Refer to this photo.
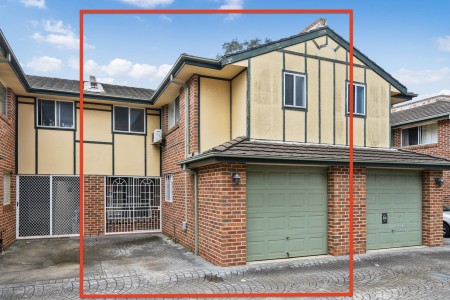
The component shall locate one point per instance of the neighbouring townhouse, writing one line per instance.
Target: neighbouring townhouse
(424, 126)
(240, 159)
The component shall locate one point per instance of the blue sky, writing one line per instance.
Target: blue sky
(410, 39)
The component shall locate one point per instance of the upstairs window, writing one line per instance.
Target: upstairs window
(294, 90)
(420, 135)
(3, 101)
(57, 114)
(174, 113)
(128, 119)
(359, 99)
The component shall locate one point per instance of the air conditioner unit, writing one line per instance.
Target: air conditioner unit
(157, 136)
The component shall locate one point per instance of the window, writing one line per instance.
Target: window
(6, 188)
(59, 114)
(3, 100)
(169, 188)
(128, 119)
(420, 135)
(294, 90)
(359, 99)
(174, 113)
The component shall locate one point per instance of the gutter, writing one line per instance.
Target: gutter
(430, 118)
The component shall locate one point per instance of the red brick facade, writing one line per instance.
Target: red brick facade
(441, 149)
(431, 209)
(222, 214)
(338, 210)
(8, 164)
(94, 205)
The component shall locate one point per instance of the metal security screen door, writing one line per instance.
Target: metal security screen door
(48, 206)
(133, 204)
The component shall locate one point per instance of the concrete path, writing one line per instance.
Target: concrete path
(414, 273)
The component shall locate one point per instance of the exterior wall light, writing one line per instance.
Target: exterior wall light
(236, 178)
(439, 181)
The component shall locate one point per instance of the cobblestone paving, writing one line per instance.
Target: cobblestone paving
(410, 274)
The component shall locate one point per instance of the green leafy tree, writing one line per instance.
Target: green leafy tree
(236, 46)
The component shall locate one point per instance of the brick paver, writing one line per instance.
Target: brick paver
(410, 274)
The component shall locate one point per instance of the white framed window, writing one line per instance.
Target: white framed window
(174, 113)
(129, 119)
(3, 100)
(55, 114)
(420, 135)
(359, 99)
(168, 180)
(6, 188)
(294, 90)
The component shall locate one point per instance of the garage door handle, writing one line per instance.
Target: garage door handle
(287, 238)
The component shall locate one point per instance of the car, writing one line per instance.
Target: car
(447, 221)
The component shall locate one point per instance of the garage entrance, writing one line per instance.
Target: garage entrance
(286, 212)
(394, 208)
(48, 206)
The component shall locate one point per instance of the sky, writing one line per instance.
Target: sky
(410, 39)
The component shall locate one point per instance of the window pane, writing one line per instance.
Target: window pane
(46, 113)
(137, 120)
(429, 134)
(413, 136)
(171, 115)
(360, 95)
(66, 114)
(121, 118)
(405, 137)
(3, 102)
(177, 110)
(6, 188)
(300, 91)
(288, 89)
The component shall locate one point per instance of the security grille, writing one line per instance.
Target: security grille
(132, 204)
(48, 206)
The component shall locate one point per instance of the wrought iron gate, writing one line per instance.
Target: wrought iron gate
(132, 204)
(48, 206)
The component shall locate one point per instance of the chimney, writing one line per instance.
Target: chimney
(93, 82)
(319, 23)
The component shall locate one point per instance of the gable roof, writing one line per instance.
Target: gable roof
(260, 151)
(305, 36)
(49, 84)
(428, 109)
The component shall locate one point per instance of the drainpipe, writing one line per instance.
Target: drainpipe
(195, 207)
(186, 138)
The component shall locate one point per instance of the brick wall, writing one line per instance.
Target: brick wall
(338, 210)
(431, 209)
(94, 205)
(182, 206)
(222, 214)
(8, 164)
(441, 149)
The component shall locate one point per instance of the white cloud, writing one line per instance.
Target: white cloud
(74, 62)
(232, 4)
(44, 64)
(166, 18)
(421, 77)
(107, 80)
(123, 67)
(444, 43)
(426, 96)
(59, 34)
(34, 3)
(148, 3)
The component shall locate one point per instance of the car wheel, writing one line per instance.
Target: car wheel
(446, 230)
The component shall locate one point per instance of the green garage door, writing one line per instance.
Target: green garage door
(394, 209)
(286, 212)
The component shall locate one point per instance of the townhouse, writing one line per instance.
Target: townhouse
(240, 159)
(424, 126)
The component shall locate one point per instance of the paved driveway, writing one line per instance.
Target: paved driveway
(415, 273)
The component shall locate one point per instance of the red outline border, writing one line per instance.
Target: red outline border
(216, 11)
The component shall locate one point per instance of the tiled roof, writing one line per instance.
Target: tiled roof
(73, 86)
(303, 152)
(439, 108)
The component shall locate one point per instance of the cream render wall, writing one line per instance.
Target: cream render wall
(214, 112)
(239, 106)
(325, 117)
(153, 151)
(55, 151)
(26, 145)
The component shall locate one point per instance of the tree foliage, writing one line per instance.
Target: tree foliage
(235, 45)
